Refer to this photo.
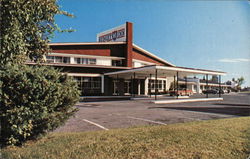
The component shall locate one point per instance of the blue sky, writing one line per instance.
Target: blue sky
(199, 34)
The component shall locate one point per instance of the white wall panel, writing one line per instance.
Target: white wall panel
(106, 62)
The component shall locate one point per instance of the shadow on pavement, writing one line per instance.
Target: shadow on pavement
(239, 111)
(233, 104)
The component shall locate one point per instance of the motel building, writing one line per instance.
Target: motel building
(115, 66)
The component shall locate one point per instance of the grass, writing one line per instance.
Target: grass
(224, 138)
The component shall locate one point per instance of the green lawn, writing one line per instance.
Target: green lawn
(218, 139)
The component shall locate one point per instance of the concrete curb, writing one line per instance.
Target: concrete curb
(186, 100)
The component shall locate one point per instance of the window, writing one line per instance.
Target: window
(50, 59)
(85, 61)
(57, 59)
(66, 59)
(92, 61)
(159, 84)
(88, 82)
(117, 63)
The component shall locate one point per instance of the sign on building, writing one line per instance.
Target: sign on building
(115, 34)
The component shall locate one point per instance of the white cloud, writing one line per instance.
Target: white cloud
(234, 60)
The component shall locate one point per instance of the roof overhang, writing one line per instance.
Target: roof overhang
(86, 56)
(79, 65)
(87, 43)
(163, 71)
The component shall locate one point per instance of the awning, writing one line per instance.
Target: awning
(162, 71)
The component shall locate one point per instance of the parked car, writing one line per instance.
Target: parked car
(220, 91)
(181, 92)
(210, 91)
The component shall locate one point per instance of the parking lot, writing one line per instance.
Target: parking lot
(131, 113)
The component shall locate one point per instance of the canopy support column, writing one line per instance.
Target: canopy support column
(150, 87)
(117, 84)
(102, 82)
(177, 76)
(186, 85)
(207, 85)
(134, 85)
(156, 89)
(219, 85)
(174, 86)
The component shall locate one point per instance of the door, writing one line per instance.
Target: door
(127, 87)
(115, 87)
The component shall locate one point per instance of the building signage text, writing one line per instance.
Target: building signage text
(116, 34)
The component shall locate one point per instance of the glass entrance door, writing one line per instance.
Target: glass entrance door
(127, 87)
(115, 86)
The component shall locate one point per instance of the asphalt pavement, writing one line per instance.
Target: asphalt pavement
(108, 115)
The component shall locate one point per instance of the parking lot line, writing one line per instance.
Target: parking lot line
(214, 114)
(102, 127)
(151, 121)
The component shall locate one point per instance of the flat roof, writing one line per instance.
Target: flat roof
(79, 65)
(86, 43)
(171, 69)
(165, 71)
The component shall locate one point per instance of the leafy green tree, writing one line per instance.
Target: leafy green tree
(33, 99)
(240, 81)
(26, 27)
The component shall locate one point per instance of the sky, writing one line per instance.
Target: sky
(201, 34)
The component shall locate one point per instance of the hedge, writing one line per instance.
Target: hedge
(34, 100)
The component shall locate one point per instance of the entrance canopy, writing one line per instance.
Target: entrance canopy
(162, 71)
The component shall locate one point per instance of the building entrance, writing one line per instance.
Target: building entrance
(115, 86)
(127, 87)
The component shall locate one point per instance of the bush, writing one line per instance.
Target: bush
(34, 100)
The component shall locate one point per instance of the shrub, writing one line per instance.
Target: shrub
(34, 100)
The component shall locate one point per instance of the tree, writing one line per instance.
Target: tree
(240, 81)
(33, 99)
(215, 79)
(26, 27)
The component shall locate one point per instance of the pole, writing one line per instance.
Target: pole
(186, 84)
(219, 85)
(131, 89)
(102, 82)
(177, 84)
(174, 86)
(207, 85)
(134, 84)
(117, 83)
(156, 90)
(150, 85)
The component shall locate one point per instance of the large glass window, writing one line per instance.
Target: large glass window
(50, 59)
(57, 59)
(85, 61)
(92, 61)
(89, 85)
(117, 63)
(159, 84)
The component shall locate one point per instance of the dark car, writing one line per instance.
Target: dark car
(210, 91)
(220, 91)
